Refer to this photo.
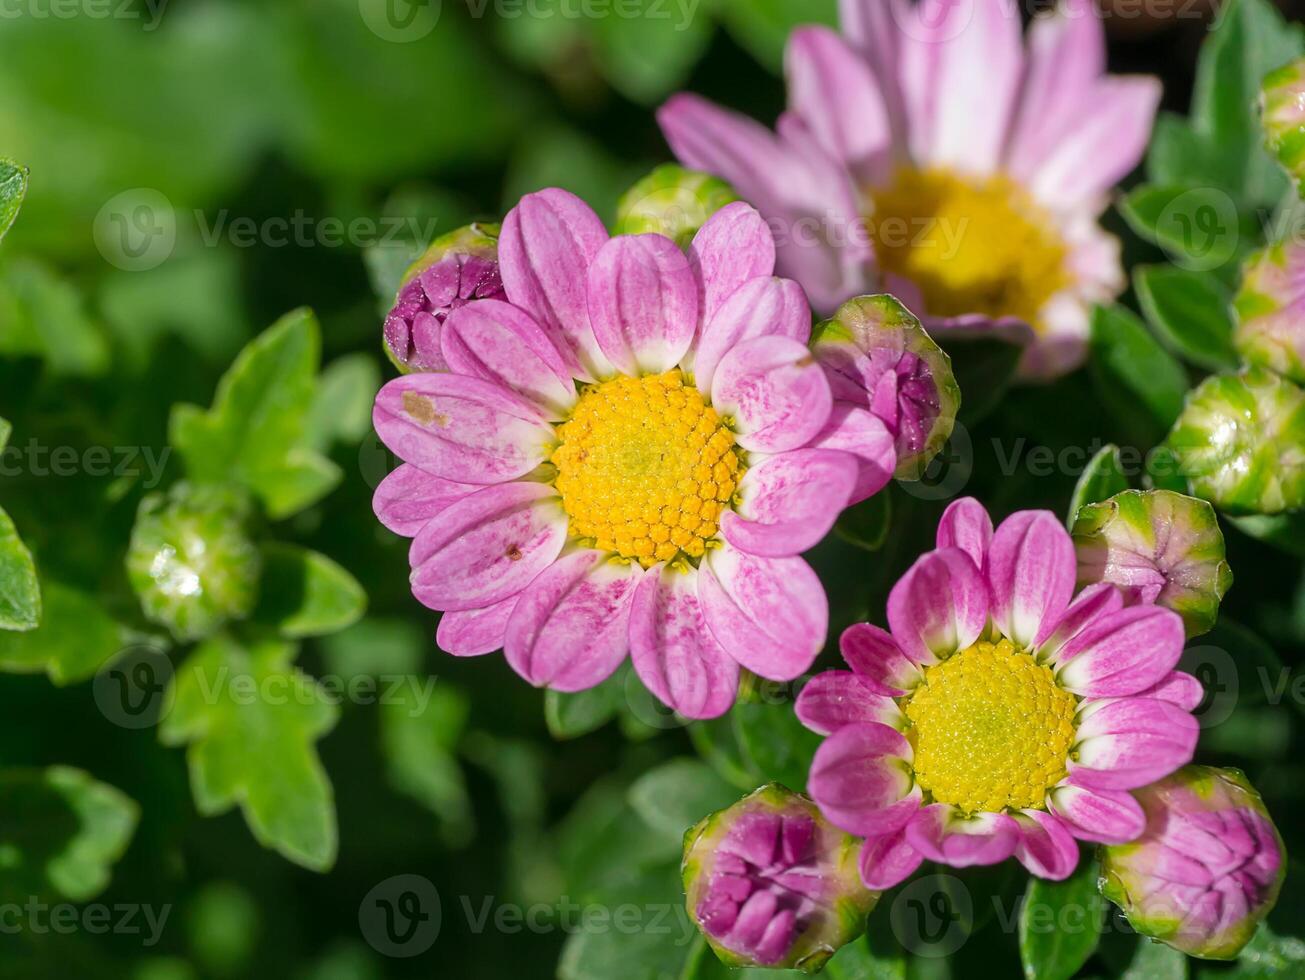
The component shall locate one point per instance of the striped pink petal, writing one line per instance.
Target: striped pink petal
(475, 632)
(733, 247)
(1131, 742)
(409, 497)
(875, 655)
(1045, 846)
(1103, 816)
(1089, 607)
(861, 780)
(939, 606)
(765, 306)
(942, 833)
(1178, 688)
(965, 524)
(864, 435)
(788, 503)
(775, 391)
(1122, 653)
(839, 697)
(888, 860)
(1031, 571)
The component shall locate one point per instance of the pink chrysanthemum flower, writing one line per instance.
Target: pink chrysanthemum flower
(930, 147)
(998, 717)
(627, 456)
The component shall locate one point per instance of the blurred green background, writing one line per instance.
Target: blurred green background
(194, 167)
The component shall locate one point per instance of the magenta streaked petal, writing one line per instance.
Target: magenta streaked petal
(733, 247)
(487, 547)
(463, 429)
(789, 502)
(875, 655)
(498, 342)
(1102, 816)
(888, 860)
(965, 524)
(764, 306)
(547, 244)
(409, 497)
(770, 614)
(775, 391)
(1178, 688)
(839, 697)
(939, 606)
(570, 630)
(1122, 653)
(1031, 571)
(1090, 606)
(673, 651)
(475, 632)
(861, 779)
(1045, 847)
(874, 28)
(834, 92)
(643, 303)
(864, 435)
(1132, 742)
(942, 833)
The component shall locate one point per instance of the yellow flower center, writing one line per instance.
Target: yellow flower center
(972, 245)
(645, 466)
(991, 729)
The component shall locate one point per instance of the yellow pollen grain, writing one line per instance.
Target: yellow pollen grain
(645, 466)
(972, 245)
(991, 729)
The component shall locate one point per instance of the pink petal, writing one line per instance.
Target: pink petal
(1102, 816)
(488, 546)
(775, 391)
(673, 651)
(733, 247)
(939, 606)
(461, 428)
(862, 434)
(838, 98)
(861, 780)
(873, 26)
(875, 655)
(475, 632)
(409, 497)
(497, 341)
(1090, 606)
(1178, 688)
(839, 697)
(1031, 571)
(547, 244)
(1131, 742)
(1066, 55)
(570, 630)
(761, 307)
(888, 860)
(965, 524)
(1045, 846)
(1112, 132)
(643, 303)
(789, 502)
(1122, 653)
(770, 614)
(943, 834)
(979, 67)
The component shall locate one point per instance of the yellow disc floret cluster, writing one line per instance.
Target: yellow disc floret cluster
(991, 729)
(972, 245)
(645, 466)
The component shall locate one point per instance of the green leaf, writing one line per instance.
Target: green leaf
(774, 742)
(1200, 228)
(75, 637)
(648, 51)
(304, 593)
(421, 726)
(20, 594)
(1285, 532)
(1155, 961)
(716, 740)
(1220, 144)
(677, 794)
(763, 26)
(60, 833)
(1132, 371)
(1102, 478)
(866, 524)
(222, 924)
(45, 316)
(251, 718)
(342, 410)
(573, 715)
(255, 433)
(1060, 924)
(13, 187)
(1190, 311)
